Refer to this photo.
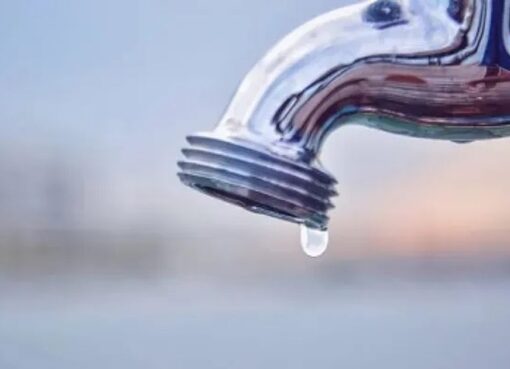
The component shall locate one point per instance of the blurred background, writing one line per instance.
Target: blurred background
(107, 261)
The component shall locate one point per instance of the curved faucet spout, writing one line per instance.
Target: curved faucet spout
(432, 69)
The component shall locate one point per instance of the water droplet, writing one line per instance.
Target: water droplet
(314, 241)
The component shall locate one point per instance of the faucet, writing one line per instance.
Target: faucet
(435, 69)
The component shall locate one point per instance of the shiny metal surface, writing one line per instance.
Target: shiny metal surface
(431, 69)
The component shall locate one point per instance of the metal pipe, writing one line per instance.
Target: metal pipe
(425, 68)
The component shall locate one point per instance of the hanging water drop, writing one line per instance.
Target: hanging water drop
(314, 241)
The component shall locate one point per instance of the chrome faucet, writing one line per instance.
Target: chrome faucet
(433, 69)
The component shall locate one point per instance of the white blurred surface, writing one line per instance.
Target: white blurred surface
(300, 324)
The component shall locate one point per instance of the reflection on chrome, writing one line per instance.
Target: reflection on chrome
(425, 68)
